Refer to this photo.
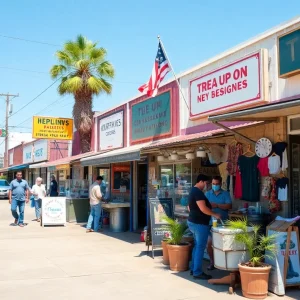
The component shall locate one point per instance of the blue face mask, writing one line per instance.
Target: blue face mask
(216, 188)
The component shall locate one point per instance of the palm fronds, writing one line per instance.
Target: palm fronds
(177, 230)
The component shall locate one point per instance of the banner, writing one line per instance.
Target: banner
(52, 128)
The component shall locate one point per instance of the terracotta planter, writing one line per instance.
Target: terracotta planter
(179, 257)
(165, 253)
(254, 281)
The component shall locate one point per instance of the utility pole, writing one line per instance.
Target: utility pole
(6, 124)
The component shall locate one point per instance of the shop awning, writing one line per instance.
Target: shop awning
(37, 165)
(131, 153)
(18, 167)
(273, 110)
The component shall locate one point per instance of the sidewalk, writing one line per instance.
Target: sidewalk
(64, 263)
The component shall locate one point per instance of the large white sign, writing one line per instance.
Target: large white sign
(276, 280)
(35, 152)
(111, 131)
(230, 86)
(54, 211)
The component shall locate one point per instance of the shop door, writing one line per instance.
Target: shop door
(142, 195)
(294, 143)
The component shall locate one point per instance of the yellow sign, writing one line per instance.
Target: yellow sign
(52, 128)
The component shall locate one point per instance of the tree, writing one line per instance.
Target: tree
(84, 72)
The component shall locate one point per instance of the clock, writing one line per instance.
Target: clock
(263, 147)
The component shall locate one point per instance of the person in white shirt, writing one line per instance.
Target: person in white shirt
(95, 202)
(39, 193)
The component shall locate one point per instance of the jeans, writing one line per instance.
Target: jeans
(94, 216)
(19, 217)
(200, 233)
(38, 205)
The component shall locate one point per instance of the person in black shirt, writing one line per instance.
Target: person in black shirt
(53, 187)
(199, 217)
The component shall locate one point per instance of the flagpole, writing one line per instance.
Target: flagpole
(176, 79)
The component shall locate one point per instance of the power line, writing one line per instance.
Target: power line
(22, 70)
(30, 41)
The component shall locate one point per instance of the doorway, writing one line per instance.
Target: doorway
(294, 143)
(142, 179)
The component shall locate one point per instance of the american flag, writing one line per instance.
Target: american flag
(160, 69)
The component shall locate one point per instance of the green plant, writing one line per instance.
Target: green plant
(3, 177)
(177, 230)
(258, 245)
(83, 72)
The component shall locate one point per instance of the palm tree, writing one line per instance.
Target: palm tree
(84, 72)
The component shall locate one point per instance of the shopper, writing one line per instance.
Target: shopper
(221, 203)
(53, 187)
(18, 195)
(95, 202)
(39, 193)
(199, 217)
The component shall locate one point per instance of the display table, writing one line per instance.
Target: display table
(118, 215)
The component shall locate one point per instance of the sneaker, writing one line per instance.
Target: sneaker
(211, 267)
(203, 276)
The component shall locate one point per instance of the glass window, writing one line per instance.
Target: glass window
(166, 175)
(183, 174)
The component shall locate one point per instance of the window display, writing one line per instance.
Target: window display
(76, 188)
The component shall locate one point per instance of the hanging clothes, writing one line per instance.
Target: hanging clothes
(274, 164)
(250, 177)
(274, 204)
(266, 187)
(225, 154)
(282, 188)
(216, 154)
(238, 189)
(234, 152)
(224, 174)
(263, 166)
(279, 148)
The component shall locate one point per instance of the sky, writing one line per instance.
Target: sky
(192, 31)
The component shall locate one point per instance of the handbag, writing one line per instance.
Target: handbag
(32, 204)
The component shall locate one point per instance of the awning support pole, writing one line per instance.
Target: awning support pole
(235, 132)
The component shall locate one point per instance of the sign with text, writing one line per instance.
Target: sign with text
(160, 208)
(289, 54)
(52, 128)
(111, 131)
(35, 152)
(232, 85)
(54, 211)
(151, 118)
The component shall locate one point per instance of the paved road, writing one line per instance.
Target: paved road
(62, 263)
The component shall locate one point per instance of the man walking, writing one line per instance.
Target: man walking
(18, 195)
(95, 202)
(53, 187)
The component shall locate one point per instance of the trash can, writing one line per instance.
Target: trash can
(119, 219)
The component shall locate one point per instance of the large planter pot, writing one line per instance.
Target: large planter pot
(179, 257)
(165, 253)
(254, 281)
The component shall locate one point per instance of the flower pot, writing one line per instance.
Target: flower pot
(254, 281)
(179, 257)
(165, 253)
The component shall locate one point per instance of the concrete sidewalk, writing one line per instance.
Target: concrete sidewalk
(62, 263)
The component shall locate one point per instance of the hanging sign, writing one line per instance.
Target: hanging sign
(111, 131)
(54, 211)
(233, 85)
(52, 128)
(2, 133)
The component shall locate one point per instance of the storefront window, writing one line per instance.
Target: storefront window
(167, 176)
(105, 187)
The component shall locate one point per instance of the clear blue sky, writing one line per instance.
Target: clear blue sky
(192, 31)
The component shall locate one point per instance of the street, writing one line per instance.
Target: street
(67, 263)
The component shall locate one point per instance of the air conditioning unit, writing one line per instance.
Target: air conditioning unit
(293, 124)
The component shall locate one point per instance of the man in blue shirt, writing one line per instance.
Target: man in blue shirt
(18, 195)
(221, 203)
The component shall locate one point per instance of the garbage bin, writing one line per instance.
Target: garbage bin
(118, 219)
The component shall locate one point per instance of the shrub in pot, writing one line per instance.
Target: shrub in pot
(178, 250)
(254, 273)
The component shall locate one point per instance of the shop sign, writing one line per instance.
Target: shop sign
(276, 281)
(230, 86)
(111, 131)
(35, 152)
(151, 118)
(52, 128)
(289, 54)
(11, 158)
(54, 211)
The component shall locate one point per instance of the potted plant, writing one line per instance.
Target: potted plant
(178, 250)
(254, 273)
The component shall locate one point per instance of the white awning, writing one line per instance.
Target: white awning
(37, 166)
(126, 154)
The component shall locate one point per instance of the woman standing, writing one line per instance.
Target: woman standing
(198, 222)
(39, 193)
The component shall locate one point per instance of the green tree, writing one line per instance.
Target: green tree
(84, 72)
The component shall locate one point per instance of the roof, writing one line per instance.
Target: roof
(196, 136)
